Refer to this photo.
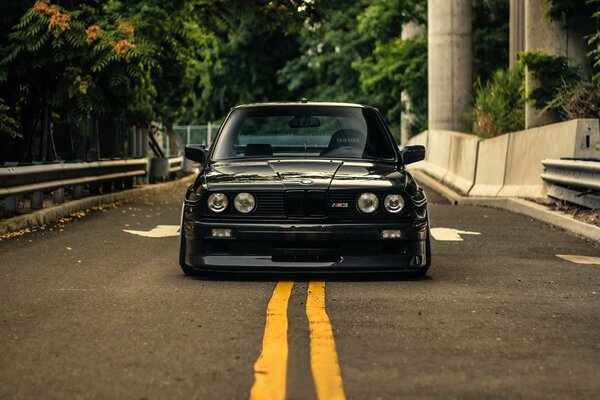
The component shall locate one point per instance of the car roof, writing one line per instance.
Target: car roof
(301, 103)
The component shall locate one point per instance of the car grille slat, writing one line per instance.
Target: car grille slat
(306, 204)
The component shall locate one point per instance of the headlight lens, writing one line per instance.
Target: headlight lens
(393, 203)
(244, 202)
(368, 203)
(217, 202)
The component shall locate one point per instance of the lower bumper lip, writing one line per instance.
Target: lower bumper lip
(297, 247)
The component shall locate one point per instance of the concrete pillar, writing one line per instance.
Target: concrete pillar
(541, 34)
(208, 134)
(516, 31)
(410, 30)
(449, 63)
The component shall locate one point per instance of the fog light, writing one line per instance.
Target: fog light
(390, 234)
(221, 233)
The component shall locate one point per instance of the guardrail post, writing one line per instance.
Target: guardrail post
(132, 136)
(107, 187)
(208, 134)
(77, 191)
(37, 200)
(128, 183)
(59, 195)
(94, 188)
(11, 203)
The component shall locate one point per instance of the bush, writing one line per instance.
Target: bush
(579, 101)
(553, 73)
(500, 104)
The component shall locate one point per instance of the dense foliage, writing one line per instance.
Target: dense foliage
(500, 104)
(581, 100)
(490, 37)
(594, 39)
(74, 74)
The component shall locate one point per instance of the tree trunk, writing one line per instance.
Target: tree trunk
(172, 139)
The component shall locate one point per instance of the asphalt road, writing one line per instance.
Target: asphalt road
(90, 311)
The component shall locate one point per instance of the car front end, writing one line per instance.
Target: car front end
(259, 206)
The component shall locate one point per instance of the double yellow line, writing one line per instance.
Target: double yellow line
(270, 369)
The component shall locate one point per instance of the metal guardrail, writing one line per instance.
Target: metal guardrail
(28, 179)
(175, 164)
(573, 180)
(34, 180)
(101, 176)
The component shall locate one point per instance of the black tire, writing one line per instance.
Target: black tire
(184, 267)
(423, 271)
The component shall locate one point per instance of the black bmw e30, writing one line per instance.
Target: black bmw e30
(304, 187)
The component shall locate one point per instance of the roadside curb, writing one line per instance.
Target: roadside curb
(519, 206)
(52, 214)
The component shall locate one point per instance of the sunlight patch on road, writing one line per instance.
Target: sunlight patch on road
(450, 235)
(580, 259)
(323, 356)
(158, 232)
(270, 369)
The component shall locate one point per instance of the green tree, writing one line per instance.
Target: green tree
(324, 68)
(395, 64)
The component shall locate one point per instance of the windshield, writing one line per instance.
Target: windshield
(304, 131)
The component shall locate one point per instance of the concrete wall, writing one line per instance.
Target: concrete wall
(527, 149)
(438, 153)
(491, 165)
(508, 165)
(462, 162)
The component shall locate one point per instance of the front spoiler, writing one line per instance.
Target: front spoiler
(259, 256)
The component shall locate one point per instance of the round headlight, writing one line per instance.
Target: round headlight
(393, 203)
(244, 202)
(217, 202)
(368, 203)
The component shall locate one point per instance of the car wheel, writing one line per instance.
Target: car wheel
(425, 269)
(184, 267)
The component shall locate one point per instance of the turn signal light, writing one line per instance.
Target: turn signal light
(221, 233)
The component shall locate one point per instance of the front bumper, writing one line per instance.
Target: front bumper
(305, 247)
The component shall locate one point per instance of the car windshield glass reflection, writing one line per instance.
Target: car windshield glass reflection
(287, 131)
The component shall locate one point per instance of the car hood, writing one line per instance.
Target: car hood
(302, 174)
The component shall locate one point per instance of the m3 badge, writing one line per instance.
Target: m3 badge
(339, 205)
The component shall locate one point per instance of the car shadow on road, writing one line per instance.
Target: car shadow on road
(310, 276)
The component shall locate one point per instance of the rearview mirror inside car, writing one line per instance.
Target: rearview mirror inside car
(412, 154)
(304, 122)
(196, 152)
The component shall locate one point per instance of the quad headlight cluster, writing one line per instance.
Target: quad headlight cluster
(243, 202)
(368, 203)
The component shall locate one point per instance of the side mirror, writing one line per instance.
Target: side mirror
(412, 154)
(196, 152)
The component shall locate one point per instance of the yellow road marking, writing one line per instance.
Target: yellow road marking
(270, 369)
(323, 357)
